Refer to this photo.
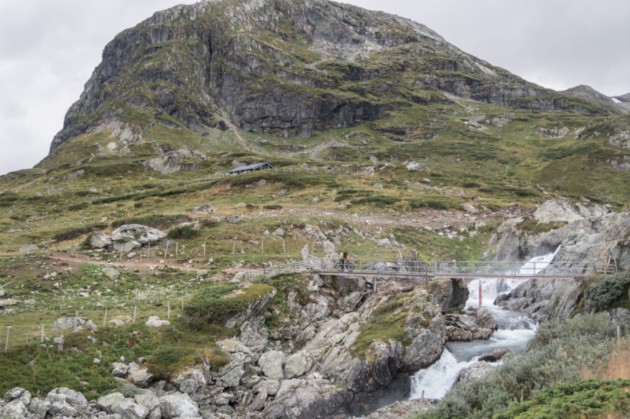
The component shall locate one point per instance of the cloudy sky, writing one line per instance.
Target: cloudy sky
(48, 50)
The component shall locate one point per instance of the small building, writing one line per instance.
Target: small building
(251, 168)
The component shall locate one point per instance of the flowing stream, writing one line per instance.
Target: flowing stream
(515, 330)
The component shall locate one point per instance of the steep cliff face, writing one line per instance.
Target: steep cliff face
(280, 66)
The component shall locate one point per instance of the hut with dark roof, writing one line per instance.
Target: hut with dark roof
(251, 168)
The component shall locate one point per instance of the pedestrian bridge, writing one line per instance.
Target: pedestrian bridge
(455, 269)
(426, 271)
(535, 268)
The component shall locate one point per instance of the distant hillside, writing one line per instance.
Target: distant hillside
(591, 95)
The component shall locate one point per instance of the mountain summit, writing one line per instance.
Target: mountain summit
(284, 67)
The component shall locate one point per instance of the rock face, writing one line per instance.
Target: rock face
(591, 235)
(191, 65)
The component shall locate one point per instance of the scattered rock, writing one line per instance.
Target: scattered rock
(111, 273)
(206, 208)
(100, 240)
(76, 324)
(154, 321)
(178, 405)
(28, 249)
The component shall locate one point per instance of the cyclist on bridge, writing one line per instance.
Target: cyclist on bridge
(344, 258)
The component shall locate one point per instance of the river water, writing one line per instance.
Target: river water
(515, 330)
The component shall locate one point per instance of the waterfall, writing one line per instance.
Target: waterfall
(515, 330)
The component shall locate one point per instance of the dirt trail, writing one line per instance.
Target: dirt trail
(141, 264)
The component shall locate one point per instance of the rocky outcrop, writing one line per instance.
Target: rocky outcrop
(592, 235)
(75, 324)
(544, 299)
(583, 233)
(126, 238)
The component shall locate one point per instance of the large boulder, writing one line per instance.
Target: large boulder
(109, 402)
(464, 327)
(131, 236)
(450, 293)
(139, 375)
(129, 409)
(15, 409)
(272, 364)
(312, 397)
(178, 406)
(100, 240)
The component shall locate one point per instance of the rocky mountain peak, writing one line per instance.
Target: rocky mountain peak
(282, 67)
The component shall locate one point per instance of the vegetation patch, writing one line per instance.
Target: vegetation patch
(440, 203)
(159, 221)
(219, 302)
(560, 352)
(532, 226)
(386, 322)
(286, 284)
(580, 399)
(185, 232)
(608, 291)
(73, 233)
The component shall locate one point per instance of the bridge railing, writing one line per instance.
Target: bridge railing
(464, 268)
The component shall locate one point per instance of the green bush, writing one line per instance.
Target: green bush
(183, 233)
(608, 291)
(442, 203)
(581, 399)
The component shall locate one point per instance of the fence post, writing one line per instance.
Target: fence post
(105, 317)
(204, 251)
(166, 251)
(6, 342)
(41, 336)
(176, 250)
(134, 313)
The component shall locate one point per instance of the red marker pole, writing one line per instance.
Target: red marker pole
(480, 294)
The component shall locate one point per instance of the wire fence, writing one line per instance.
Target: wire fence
(25, 325)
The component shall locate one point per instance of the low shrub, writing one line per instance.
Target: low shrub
(608, 291)
(185, 232)
(441, 203)
(581, 399)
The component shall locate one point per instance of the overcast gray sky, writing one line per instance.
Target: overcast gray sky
(48, 50)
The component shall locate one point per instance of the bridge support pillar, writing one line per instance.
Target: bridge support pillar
(480, 294)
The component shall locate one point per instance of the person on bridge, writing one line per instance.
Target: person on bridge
(343, 259)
